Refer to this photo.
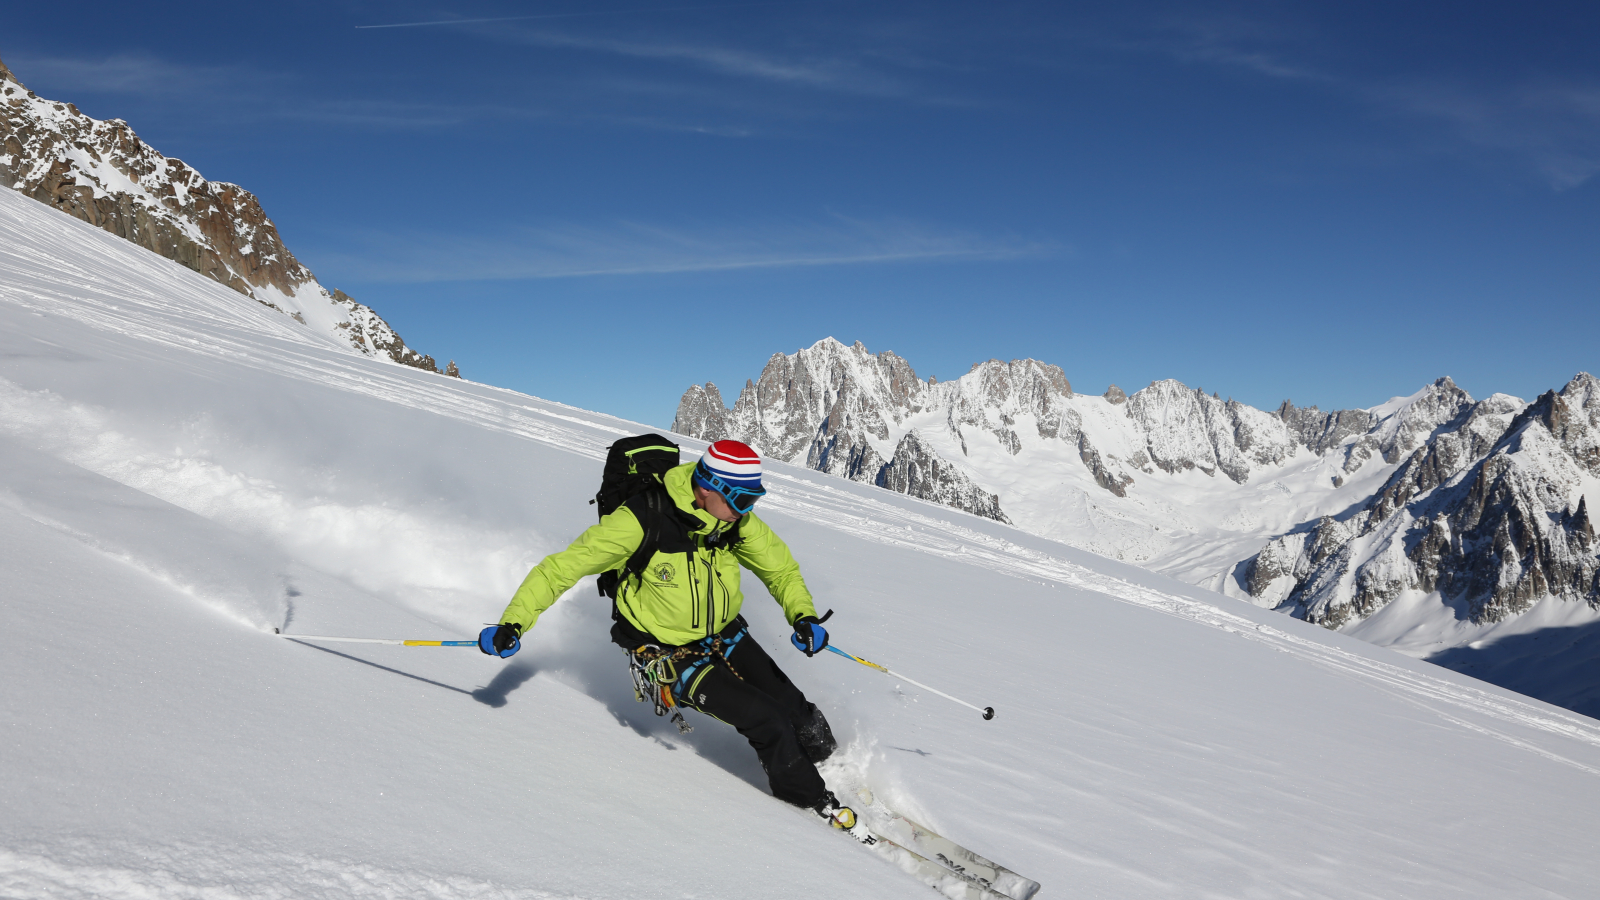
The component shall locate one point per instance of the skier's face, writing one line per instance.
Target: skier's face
(714, 503)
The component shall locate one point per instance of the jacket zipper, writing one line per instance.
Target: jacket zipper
(726, 597)
(711, 595)
(694, 594)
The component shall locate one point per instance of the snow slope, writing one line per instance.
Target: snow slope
(183, 469)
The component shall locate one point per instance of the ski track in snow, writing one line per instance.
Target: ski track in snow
(82, 870)
(241, 610)
(97, 302)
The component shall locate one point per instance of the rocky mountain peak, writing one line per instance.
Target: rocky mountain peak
(841, 409)
(1186, 428)
(102, 173)
(1480, 511)
(1583, 392)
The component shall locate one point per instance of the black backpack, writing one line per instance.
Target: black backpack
(632, 478)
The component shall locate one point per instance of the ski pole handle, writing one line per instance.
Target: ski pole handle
(988, 711)
(355, 640)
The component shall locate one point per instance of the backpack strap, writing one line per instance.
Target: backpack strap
(666, 530)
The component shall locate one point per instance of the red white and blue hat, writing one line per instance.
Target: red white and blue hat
(733, 470)
(733, 463)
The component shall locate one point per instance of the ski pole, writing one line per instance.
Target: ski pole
(350, 640)
(988, 711)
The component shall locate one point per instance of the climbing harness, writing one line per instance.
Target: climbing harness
(666, 676)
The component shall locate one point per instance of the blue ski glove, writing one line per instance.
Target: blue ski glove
(809, 636)
(500, 640)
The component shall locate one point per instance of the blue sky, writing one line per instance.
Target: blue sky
(604, 203)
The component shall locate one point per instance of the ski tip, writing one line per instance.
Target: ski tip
(988, 713)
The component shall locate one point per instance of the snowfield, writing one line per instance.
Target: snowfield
(183, 470)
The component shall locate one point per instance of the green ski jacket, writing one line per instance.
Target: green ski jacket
(680, 597)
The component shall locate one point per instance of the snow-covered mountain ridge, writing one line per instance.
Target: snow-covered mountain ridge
(1473, 511)
(102, 173)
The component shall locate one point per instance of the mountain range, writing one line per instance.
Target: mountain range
(1434, 523)
(101, 172)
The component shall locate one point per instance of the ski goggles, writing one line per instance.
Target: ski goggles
(740, 499)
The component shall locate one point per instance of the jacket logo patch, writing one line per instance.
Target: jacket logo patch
(663, 571)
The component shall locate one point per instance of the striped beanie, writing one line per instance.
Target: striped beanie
(734, 463)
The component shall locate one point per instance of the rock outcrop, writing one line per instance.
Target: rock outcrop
(916, 470)
(1488, 509)
(842, 410)
(1186, 429)
(101, 172)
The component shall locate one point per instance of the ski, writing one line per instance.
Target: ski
(948, 882)
(950, 862)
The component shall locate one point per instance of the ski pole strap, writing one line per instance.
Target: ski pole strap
(988, 711)
(858, 659)
(356, 640)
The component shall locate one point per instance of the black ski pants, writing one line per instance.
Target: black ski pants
(789, 734)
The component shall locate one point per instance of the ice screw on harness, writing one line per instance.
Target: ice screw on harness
(656, 672)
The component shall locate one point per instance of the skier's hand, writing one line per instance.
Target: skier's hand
(809, 636)
(500, 640)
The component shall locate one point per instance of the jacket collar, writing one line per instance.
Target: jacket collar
(681, 490)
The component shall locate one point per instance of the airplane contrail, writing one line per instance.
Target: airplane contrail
(608, 12)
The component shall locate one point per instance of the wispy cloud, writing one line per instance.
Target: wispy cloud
(1235, 42)
(633, 248)
(141, 75)
(1551, 129)
(823, 72)
(638, 10)
(1555, 128)
(240, 93)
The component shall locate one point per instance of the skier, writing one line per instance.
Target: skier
(683, 608)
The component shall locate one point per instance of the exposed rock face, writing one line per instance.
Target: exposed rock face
(918, 471)
(102, 173)
(1321, 431)
(1188, 430)
(823, 392)
(1488, 509)
(841, 410)
(701, 412)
